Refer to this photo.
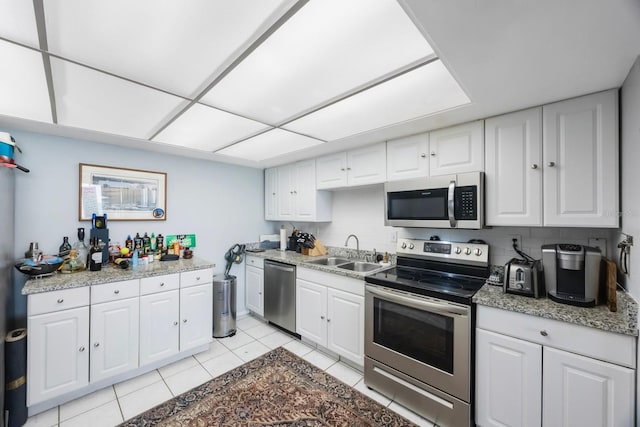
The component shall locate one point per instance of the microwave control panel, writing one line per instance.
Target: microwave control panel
(465, 203)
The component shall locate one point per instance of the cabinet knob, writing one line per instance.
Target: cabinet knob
(433, 154)
(544, 333)
(60, 300)
(348, 169)
(342, 169)
(423, 155)
(161, 284)
(175, 323)
(117, 291)
(328, 320)
(534, 166)
(551, 164)
(322, 317)
(81, 349)
(259, 293)
(198, 278)
(184, 320)
(96, 344)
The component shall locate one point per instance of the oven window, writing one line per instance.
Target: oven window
(419, 204)
(421, 335)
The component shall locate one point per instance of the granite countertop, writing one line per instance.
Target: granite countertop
(294, 258)
(623, 321)
(110, 274)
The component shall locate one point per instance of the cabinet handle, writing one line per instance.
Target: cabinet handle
(184, 320)
(423, 155)
(60, 300)
(96, 344)
(175, 323)
(551, 164)
(543, 333)
(534, 166)
(117, 291)
(433, 154)
(81, 349)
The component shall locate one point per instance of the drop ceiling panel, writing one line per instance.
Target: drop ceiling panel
(326, 49)
(423, 91)
(23, 87)
(89, 99)
(173, 45)
(270, 144)
(18, 22)
(205, 128)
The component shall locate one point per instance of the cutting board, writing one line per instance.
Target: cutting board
(610, 281)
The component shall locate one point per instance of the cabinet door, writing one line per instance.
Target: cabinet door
(331, 171)
(285, 195)
(579, 391)
(581, 161)
(254, 280)
(457, 149)
(367, 165)
(407, 157)
(513, 168)
(305, 190)
(270, 194)
(114, 338)
(508, 381)
(159, 327)
(345, 319)
(196, 316)
(311, 311)
(58, 354)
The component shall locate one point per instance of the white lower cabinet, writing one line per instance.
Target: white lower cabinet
(254, 284)
(330, 312)
(532, 371)
(196, 319)
(159, 326)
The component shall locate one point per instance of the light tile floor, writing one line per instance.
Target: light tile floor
(111, 405)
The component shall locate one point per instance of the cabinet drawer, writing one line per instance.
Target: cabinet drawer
(595, 343)
(196, 277)
(255, 261)
(151, 285)
(47, 302)
(115, 291)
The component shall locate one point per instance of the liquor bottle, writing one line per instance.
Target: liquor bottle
(129, 243)
(160, 242)
(137, 242)
(95, 256)
(65, 247)
(146, 243)
(81, 248)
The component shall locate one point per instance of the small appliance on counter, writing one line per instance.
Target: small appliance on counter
(572, 273)
(523, 276)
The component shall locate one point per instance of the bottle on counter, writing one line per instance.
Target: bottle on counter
(82, 250)
(154, 245)
(160, 242)
(73, 263)
(65, 247)
(129, 243)
(134, 258)
(95, 256)
(137, 242)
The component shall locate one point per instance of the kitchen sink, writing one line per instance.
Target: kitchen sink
(360, 266)
(332, 261)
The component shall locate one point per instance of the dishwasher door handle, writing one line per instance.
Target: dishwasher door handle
(280, 267)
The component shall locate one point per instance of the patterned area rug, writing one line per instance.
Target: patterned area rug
(276, 389)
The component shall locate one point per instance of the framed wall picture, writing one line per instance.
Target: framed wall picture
(123, 194)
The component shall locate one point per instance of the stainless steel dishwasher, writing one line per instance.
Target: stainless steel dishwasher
(280, 294)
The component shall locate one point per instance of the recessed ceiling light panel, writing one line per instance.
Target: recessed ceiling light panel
(328, 48)
(205, 128)
(421, 92)
(18, 22)
(23, 87)
(270, 144)
(89, 99)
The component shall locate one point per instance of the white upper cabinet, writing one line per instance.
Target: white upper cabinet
(457, 149)
(270, 189)
(363, 166)
(407, 157)
(580, 147)
(513, 168)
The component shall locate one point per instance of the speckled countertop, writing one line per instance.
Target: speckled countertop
(623, 321)
(111, 274)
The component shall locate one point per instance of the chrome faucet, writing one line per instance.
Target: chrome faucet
(346, 242)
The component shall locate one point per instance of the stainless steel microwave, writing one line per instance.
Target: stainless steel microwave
(448, 201)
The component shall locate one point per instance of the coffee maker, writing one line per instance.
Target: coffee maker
(572, 273)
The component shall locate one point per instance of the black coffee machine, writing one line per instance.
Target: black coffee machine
(572, 273)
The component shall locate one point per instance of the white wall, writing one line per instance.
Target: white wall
(360, 211)
(222, 204)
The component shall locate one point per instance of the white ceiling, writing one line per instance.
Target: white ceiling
(506, 55)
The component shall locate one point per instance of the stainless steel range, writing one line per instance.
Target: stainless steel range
(418, 328)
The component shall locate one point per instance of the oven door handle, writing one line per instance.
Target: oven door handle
(451, 204)
(420, 304)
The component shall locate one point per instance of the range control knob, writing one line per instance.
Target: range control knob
(467, 251)
(403, 245)
(478, 251)
(457, 250)
(411, 246)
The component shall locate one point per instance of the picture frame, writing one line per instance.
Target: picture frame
(122, 194)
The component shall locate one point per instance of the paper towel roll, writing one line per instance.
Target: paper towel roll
(16, 377)
(283, 239)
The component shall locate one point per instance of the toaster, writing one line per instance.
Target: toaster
(524, 277)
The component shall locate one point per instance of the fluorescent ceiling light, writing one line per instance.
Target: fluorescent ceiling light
(18, 23)
(23, 87)
(173, 45)
(423, 91)
(328, 48)
(205, 128)
(89, 99)
(270, 144)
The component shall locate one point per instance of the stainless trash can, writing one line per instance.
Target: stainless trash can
(224, 305)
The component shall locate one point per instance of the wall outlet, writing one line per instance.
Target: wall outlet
(394, 237)
(600, 243)
(518, 239)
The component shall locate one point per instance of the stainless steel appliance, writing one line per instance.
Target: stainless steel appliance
(524, 277)
(572, 273)
(280, 294)
(448, 201)
(419, 328)
(224, 305)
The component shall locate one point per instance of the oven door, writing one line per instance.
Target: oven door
(425, 338)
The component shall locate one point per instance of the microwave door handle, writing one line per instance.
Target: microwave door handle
(451, 204)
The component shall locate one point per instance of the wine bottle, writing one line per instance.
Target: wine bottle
(95, 256)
